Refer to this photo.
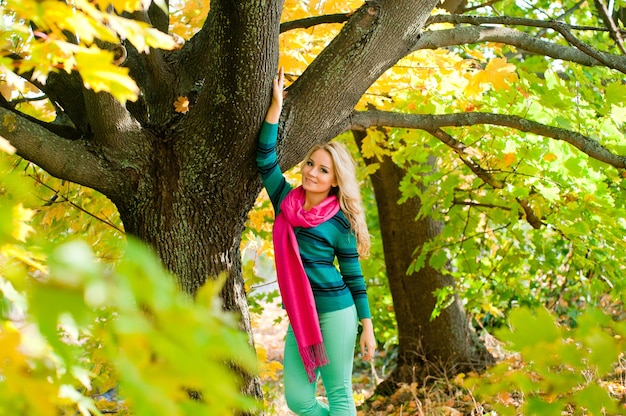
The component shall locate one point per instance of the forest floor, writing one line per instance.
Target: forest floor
(437, 397)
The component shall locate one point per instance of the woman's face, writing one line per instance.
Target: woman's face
(318, 173)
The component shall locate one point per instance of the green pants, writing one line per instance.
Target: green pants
(339, 331)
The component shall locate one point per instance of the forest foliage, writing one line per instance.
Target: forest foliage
(534, 237)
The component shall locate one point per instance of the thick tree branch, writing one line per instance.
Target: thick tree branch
(583, 143)
(531, 217)
(582, 53)
(154, 76)
(113, 128)
(66, 159)
(521, 40)
(235, 55)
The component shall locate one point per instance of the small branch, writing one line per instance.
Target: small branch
(464, 154)
(314, 21)
(562, 16)
(505, 21)
(614, 30)
(55, 200)
(480, 6)
(531, 217)
(582, 54)
(28, 99)
(462, 150)
(457, 201)
(473, 35)
(589, 50)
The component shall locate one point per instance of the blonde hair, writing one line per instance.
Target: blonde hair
(347, 191)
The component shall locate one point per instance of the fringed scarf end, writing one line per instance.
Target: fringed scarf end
(313, 356)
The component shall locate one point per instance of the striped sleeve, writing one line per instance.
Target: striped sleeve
(267, 162)
(351, 272)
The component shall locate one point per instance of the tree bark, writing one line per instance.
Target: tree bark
(437, 348)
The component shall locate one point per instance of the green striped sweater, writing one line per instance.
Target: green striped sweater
(333, 288)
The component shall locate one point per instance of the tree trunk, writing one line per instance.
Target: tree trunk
(194, 227)
(446, 345)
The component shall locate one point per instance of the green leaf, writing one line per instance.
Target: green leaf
(438, 259)
(539, 407)
(596, 400)
(530, 328)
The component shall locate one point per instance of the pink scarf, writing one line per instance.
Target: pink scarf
(293, 282)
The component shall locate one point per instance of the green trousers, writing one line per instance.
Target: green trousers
(339, 330)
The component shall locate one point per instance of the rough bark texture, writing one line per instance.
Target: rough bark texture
(427, 348)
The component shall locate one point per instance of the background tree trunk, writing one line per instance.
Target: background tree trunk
(446, 345)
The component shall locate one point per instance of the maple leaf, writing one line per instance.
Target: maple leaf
(499, 71)
(181, 104)
(509, 158)
(550, 157)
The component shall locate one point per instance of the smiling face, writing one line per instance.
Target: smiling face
(318, 173)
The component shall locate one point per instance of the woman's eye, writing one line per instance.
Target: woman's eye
(309, 163)
(323, 170)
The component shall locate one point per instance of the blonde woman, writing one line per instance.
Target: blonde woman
(316, 223)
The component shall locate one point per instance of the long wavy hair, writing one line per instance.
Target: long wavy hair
(347, 191)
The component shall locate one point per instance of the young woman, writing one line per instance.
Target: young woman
(316, 223)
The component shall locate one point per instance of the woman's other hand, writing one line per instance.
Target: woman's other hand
(368, 340)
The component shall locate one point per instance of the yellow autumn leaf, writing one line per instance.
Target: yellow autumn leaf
(268, 368)
(500, 73)
(328, 7)
(124, 5)
(550, 157)
(189, 17)
(21, 217)
(60, 16)
(508, 159)
(475, 53)
(140, 34)
(490, 308)
(256, 218)
(476, 84)
(181, 105)
(99, 74)
(22, 255)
